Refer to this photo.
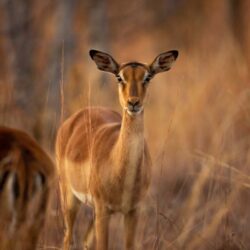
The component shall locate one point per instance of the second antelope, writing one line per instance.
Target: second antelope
(26, 179)
(103, 158)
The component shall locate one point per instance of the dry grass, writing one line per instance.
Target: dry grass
(197, 122)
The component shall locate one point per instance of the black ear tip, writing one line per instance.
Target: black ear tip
(175, 53)
(92, 52)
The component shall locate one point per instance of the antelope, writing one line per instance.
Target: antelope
(26, 176)
(102, 157)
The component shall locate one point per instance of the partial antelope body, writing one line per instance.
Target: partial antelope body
(26, 175)
(103, 158)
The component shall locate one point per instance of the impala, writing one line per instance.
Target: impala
(26, 175)
(103, 158)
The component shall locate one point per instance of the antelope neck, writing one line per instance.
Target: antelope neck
(130, 144)
(131, 125)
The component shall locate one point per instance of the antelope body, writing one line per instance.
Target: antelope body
(26, 175)
(103, 158)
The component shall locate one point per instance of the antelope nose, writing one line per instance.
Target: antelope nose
(133, 101)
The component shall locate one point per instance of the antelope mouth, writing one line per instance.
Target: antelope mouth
(135, 111)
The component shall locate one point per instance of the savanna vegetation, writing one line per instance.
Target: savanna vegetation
(197, 115)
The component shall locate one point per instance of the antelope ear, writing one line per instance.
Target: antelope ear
(104, 61)
(163, 62)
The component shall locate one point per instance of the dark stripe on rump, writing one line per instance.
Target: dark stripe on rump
(3, 179)
(16, 187)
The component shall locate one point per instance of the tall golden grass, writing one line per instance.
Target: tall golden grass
(197, 123)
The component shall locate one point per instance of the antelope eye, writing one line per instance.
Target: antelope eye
(147, 79)
(119, 79)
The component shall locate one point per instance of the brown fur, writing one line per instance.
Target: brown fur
(26, 174)
(105, 156)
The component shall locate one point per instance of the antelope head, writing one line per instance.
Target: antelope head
(133, 77)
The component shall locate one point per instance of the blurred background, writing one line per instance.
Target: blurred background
(197, 118)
